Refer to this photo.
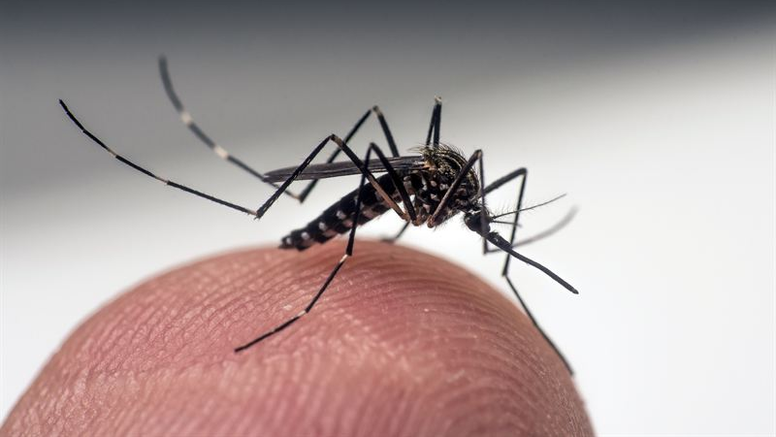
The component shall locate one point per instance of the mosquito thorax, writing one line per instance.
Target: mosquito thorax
(447, 162)
(443, 165)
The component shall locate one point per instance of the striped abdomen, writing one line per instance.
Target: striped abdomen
(338, 218)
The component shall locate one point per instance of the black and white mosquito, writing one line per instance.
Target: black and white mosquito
(433, 186)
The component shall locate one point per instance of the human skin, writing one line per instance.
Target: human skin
(401, 344)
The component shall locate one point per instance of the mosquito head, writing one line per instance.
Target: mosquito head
(476, 221)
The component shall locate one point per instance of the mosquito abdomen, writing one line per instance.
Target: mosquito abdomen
(338, 218)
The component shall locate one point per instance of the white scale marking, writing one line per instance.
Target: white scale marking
(221, 152)
(369, 213)
(186, 118)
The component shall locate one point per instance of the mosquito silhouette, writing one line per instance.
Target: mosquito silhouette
(429, 187)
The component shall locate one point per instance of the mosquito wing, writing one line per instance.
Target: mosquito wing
(344, 168)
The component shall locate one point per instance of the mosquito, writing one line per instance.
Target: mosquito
(427, 188)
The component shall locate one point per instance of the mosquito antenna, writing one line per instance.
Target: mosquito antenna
(504, 245)
(527, 208)
(501, 222)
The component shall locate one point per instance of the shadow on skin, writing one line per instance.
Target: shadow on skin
(402, 343)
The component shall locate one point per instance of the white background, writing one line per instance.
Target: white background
(665, 144)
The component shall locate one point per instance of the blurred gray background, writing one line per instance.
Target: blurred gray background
(657, 118)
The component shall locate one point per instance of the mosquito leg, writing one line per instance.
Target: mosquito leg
(386, 131)
(311, 185)
(260, 212)
(436, 120)
(484, 208)
(265, 206)
(503, 180)
(411, 215)
(365, 175)
(398, 235)
(505, 271)
(454, 187)
(398, 183)
(504, 245)
(224, 154)
(494, 186)
(537, 326)
(335, 270)
(148, 172)
(524, 173)
(364, 171)
(188, 120)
